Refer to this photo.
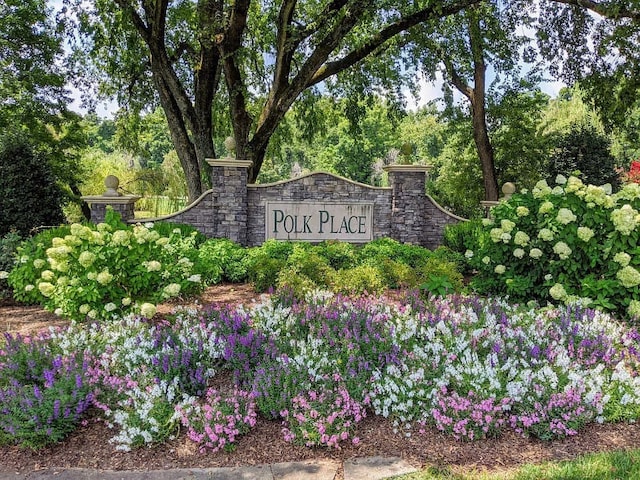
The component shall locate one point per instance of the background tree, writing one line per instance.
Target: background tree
(588, 151)
(33, 97)
(464, 47)
(181, 53)
(30, 196)
(595, 44)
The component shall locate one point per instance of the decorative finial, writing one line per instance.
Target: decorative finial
(112, 183)
(508, 189)
(230, 145)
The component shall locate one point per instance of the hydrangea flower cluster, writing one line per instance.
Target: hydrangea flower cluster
(576, 242)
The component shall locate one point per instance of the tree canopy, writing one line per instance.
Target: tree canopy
(247, 60)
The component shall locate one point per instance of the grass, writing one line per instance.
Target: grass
(616, 465)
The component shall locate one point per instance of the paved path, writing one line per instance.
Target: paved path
(370, 468)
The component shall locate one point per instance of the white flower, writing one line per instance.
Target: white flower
(28, 288)
(625, 219)
(541, 189)
(152, 266)
(565, 216)
(562, 250)
(126, 301)
(535, 253)
(486, 260)
(629, 277)
(522, 211)
(39, 263)
(548, 277)
(58, 312)
(496, 234)
(92, 314)
(505, 237)
(561, 179)
(545, 234)
(197, 278)
(507, 225)
(110, 307)
(171, 290)
(104, 277)
(84, 309)
(634, 309)
(149, 225)
(518, 253)
(3, 274)
(521, 238)
(622, 258)
(86, 259)
(487, 222)
(558, 292)
(121, 237)
(46, 289)
(500, 269)
(585, 234)
(545, 207)
(468, 254)
(148, 310)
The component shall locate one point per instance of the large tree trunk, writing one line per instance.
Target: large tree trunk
(182, 143)
(484, 148)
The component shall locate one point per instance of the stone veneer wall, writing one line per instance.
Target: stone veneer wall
(235, 210)
(319, 187)
(199, 214)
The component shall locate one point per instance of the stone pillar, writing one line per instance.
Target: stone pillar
(409, 202)
(123, 204)
(231, 209)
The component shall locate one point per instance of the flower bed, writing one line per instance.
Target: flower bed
(463, 365)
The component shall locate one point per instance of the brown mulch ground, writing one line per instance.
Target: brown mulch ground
(88, 447)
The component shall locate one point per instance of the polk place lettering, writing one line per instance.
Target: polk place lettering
(319, 221)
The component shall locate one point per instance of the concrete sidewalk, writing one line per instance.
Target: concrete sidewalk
(370, 468)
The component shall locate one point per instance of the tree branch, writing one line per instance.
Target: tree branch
(605, 9)
(283, 45)
(432, 12)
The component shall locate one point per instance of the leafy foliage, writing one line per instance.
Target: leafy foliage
(587, 151)
(30, 195)
(106, 270)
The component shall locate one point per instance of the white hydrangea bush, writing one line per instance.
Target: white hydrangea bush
(106, 271)
(563, 243)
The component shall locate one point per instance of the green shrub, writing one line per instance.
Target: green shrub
(448, 255)
(440, 277)
(31, 262)
(165, 229)
(461, 236)
(561, 243)
(310, 264)
(262, 271)
(358, 280)
(263, 263)
(292, 281)
(397, 274)
(30, 196)
(222, 259)
(106, 270)
(8, 246)
(386, 248)
(338, 254)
